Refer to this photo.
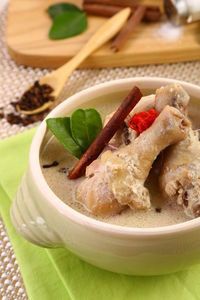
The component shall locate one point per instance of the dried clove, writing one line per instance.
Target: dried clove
(35, 97)
(158, 209)
(63, 170)
(53, 164)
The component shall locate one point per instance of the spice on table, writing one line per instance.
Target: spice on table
(33, 118)
(14, 103)
(142, 120)
(106, 133)
(14, 118)
(128, 28)
(158, 209)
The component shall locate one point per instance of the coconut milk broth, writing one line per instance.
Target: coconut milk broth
(57, 180)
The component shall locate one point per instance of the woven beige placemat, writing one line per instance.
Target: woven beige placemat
(13, 81)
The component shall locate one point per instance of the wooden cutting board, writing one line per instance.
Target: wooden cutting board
(27, 39)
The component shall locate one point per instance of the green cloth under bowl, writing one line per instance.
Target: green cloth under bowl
(57, 273)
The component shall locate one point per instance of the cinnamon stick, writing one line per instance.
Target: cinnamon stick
(101, 9)
(152, 13)
(122, 3)
(128, 28)
(106, 133)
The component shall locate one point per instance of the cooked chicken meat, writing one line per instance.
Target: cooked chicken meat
(180, 176)
(125, 135)
(94, 192)
(117, 178)
(172, 95)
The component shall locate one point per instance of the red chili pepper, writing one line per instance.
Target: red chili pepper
(143, 120)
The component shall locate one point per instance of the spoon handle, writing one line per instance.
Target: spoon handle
(108, 30)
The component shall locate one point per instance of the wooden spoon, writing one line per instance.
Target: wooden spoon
(57, 78)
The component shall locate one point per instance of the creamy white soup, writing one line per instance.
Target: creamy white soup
(163, 211)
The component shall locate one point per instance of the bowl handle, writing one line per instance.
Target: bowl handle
(30, 215)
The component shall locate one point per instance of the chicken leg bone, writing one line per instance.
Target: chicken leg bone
(180, 175)
(116, 179)
(172, 95)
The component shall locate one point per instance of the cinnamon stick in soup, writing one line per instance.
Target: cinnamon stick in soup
(128, 28)
(106, 133)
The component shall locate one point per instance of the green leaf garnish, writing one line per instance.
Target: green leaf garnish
(59, 8)
(68, 24)
(85, 126)
(68, 21)
(78, 132)
(60, 127)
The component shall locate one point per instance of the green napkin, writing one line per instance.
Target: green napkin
(57, 273)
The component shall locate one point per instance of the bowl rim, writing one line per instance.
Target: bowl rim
(69, 212)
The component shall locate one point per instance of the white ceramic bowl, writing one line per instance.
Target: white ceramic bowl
(42, 218)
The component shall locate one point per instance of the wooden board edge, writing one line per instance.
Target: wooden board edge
(96, 61)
